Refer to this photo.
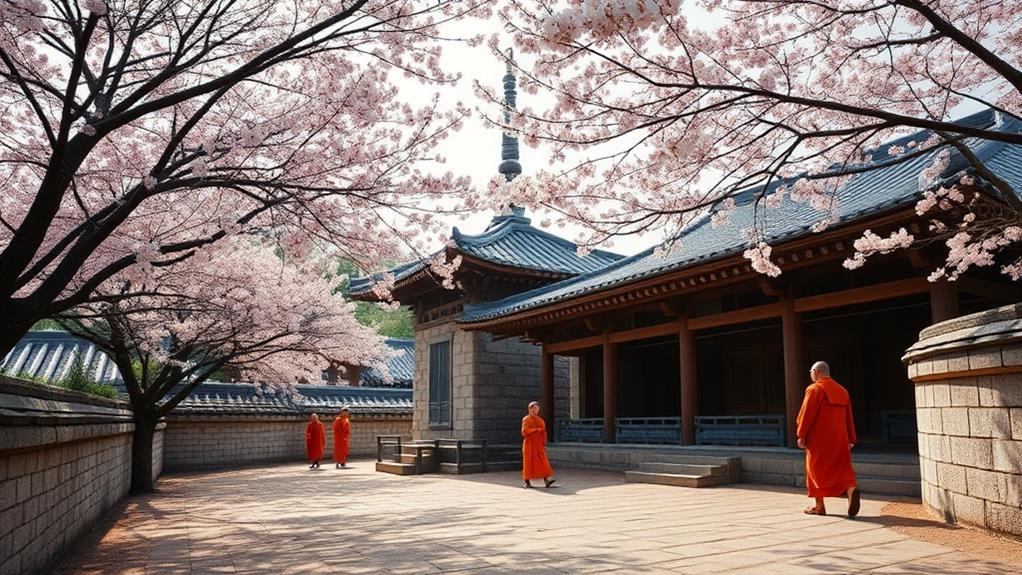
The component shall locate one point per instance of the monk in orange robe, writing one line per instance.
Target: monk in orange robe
(534, 461)
(826, 431)
(342, 434)
(315, 440)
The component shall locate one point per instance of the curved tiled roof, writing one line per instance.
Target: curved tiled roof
(241, 399)
(49, 354)
(511, 241)
(402, 367)
(892, 185)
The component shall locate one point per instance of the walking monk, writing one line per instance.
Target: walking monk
(827, 432)
(315, 440)
(534, 461)
(342, 434)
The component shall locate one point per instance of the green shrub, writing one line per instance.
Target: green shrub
(77, 379)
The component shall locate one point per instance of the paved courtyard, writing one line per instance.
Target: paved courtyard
(287, 519)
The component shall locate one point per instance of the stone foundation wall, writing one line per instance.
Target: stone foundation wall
(65, 459)
(492, 384)
(201, 442)
(968, 376)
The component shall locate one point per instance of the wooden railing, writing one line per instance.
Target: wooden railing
(383, 441)
(580, 430)
(766, 430)
(464, 451)
(656, 430)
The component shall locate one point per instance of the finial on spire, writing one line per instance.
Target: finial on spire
(509, 165)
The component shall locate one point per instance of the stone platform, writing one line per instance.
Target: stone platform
(887, 473)
(288, 519)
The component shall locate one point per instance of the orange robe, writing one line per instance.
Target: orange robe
(825, 423)
(315, 440)
(534, 461)
(342, 434)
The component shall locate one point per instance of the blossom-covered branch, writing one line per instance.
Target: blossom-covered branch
(136, 134)
(665, 109)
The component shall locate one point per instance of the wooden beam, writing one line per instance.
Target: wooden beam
(768, 287)
(688, 382)
(738, 316)
(1008, 293)
(795, 369)
(661, 329)
(866, 294)
(573, 344)
(943, 300)
(610, 389)
(547, 392)
(812, 303)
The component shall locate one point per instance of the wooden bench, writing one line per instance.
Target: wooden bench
(651, 430)
(764, 430)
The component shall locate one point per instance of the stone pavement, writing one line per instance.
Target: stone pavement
(287, 519)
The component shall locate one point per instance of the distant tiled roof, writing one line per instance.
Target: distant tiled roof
(245, 399)
(49, 355)
(402, 367)
(512, 241)
(892, 186)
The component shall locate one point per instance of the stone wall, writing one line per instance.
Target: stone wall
(65, 458)
(968, 376)
(492, 384)
(194, 442)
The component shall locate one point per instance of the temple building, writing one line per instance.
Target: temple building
(697, 347)
(692, 347)
(469, 385)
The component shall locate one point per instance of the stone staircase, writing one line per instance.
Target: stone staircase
(688, 471)
(447, 456)
(888, 478)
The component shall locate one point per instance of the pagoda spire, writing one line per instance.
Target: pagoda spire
(509, 165)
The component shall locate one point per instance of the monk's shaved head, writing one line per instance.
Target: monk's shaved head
(822, 368)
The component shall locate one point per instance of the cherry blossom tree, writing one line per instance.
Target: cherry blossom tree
(135, 132)
(230, 307)
(665, 109)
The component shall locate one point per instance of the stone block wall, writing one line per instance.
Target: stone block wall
(968, 377)
(492, 384)
(194, 442)
(65, 459)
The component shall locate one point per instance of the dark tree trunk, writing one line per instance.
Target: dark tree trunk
(13, 326)
(142, 480)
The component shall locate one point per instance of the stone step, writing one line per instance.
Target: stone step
(683, 469)
(892, 470)
(413, 449)
(452, 468)
(889, 486)
(676, 479)
(396, 468)
(427, 458)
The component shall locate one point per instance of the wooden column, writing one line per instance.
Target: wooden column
(943, 300)
(548, 411)
(609, 389)
(796, 371)
(689, 387)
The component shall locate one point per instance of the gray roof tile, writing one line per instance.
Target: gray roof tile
(889, 186)
(509, 240)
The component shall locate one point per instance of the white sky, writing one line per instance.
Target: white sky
(475, 149)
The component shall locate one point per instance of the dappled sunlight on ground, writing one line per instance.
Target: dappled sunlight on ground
(288, 519)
